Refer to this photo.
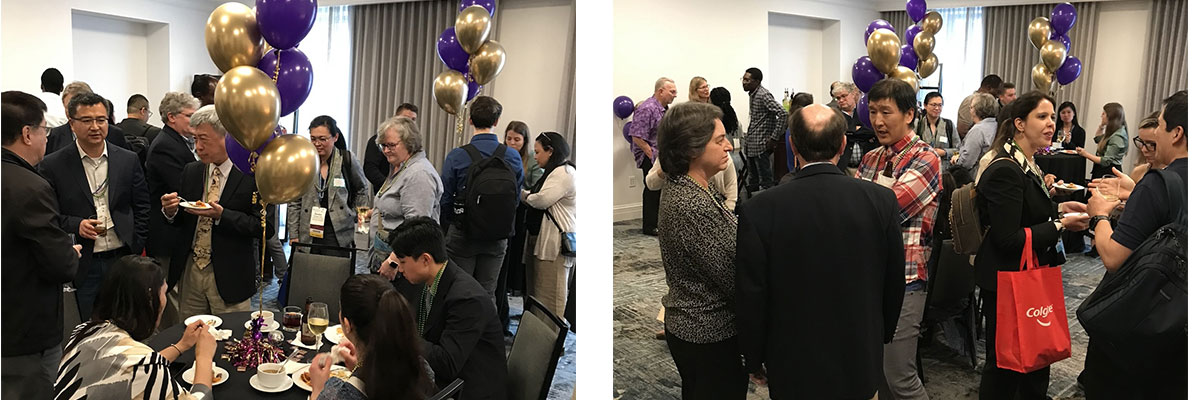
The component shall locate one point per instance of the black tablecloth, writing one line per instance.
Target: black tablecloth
(1069, 168)
(238, 384)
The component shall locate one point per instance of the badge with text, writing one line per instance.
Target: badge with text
(316, 223)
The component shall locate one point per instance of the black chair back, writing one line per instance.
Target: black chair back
(536, 349)
(318, 276)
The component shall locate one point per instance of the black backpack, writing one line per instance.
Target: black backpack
(1139, 313)
(486, 208)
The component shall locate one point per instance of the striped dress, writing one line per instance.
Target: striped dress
(101, 361)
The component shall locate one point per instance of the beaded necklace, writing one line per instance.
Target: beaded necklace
(426, 302)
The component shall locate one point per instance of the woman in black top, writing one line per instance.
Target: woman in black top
(1014, 194)
(1069, 133)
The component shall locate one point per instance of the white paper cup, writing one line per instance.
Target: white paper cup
(272, 374)
(268, 317)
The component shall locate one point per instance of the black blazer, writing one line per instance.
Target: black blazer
(856, 132)
(136, 127)
(129, 202)
(235, 240)
(375, 165)
(37, 260)
(1078, 134)
(462, 337)
(62, 137)
(164, 168)
(1009, 201)
(820, 277)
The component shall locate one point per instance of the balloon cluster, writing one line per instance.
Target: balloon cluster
(472, 58)
(1049, 36)
(265, 77)
(887, 57)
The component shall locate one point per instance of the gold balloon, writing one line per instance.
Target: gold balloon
(488, 62)
(932, 22)
(1042, 77)
(923, 44)
(450, 91)
(884, 49)
(1054, 53)
(906, 75)
(232, 37)
(1039, 32)
(247, 102)
(927, 66)
(287, 168)
(472, 27)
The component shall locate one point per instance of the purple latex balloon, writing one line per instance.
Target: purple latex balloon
(911, 33)
(1062, 19)
(625, 132)
(452, 53)
(1062, 38)
(865, 74)
(864, 114)
(1070, 70)
(489, 5)
(916, 9)
(908, 57)
(876, 24)
(472, 89)
(295, 77)
(623, 107)
(241, 157)
(283, 23)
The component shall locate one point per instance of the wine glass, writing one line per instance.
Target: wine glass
(318, 318)
(1110, 194)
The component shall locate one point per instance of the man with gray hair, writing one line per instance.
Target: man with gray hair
(214, 260)
(643, 142)
(859, 137)
(168, 154)
(983, 108)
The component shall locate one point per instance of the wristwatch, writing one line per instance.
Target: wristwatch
(1095, 220)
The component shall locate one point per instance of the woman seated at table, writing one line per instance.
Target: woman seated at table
(1112, 140)
(391, 366)
(341, 187)
(412, 188)
(105, 357)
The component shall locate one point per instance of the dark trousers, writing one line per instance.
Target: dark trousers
(711, 370)
(998, 383)
(1104, 378)
(31, 376)
(89, 288)
(760, 170)
(649, 201)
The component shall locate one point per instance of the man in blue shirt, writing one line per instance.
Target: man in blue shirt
(479, 258)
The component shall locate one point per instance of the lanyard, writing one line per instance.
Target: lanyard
(426, 303)
(391, 179)
(1036, 171)
(887, 169)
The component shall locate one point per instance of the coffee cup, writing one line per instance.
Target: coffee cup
(267, 317)
(271, 375)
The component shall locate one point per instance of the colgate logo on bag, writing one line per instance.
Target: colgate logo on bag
(1043, 312)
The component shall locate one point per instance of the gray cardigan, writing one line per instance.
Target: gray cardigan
(341, 211)
(414, 191)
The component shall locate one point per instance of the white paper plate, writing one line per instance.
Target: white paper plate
(217, 373)
(287, 384)
(1070, 187)
(213, 321)
(193, 205)
(334, 334)
(296, 377)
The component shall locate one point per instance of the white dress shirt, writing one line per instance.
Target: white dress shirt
(96, 170)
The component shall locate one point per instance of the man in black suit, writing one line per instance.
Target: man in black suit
(214, 262)
(846, 95)
(375, 165)
(101, 195)
(460, 335)
(38, 257)
(823, 339)
(168, 153)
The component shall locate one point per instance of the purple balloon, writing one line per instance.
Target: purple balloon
(452, 53)
(241, 157)
(1062, 38)
(864, 114)
(908, 57)
(1070, 70)
(876, 24)
(472, 89)
(283, 23)
(295, 77)
(1062, 19)
(625, 132)
(865, 74)
(911, 33)
(623, 107)
(489, 5)
(916, 9)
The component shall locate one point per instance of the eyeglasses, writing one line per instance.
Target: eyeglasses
(1144, 144)
(388, 146)
(44, 128)
(89, 121)
(322, 139)
(931, 105)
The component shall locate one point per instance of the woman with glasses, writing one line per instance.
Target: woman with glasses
(326, 214)
(937, 131)
(411, 189)
(1123, 184)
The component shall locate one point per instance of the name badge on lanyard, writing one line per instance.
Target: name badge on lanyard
(316, 223)
(339, 183)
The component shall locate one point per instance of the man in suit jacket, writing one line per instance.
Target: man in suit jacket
(38, 257)
(165, 158)
(460, 335)
(214, 262)
(101, 195)
(64, 136)
(826, 339)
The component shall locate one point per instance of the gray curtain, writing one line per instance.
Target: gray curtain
(566, 118)
(394, 56)
(1166, 53)
(1008, 53)
(898, 19)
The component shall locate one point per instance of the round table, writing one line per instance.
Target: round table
(237, 386)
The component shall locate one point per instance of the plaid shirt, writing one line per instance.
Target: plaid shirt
(767, 121)
(918, 181)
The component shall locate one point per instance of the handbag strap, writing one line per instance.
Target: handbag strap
(1028, 257)
(550, 213)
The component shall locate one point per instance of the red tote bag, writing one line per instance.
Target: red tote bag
(1031, 316)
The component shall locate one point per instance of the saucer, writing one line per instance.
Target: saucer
(254, 383)
(220, 375)
(274, 325)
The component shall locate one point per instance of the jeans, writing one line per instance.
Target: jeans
(761, 172)
(21, 380)
(480, 259)
(900, 356)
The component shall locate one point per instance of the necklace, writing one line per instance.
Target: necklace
(426, 303)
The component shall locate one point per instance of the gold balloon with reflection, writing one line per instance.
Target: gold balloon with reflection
(1039, 32)
(287, 168)
(932, 22)
(232, 37)
(472, 27)
(1054, 54)
(883, 47)
(927, 66)
(923, 44)
(488, 62)
(1042, 77)
(906, 75)
(450, 91)
(247, 102)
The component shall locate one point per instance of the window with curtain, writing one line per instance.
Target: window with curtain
(328, 49)
(959, 45)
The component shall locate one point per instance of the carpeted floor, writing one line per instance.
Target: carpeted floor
(643, 368)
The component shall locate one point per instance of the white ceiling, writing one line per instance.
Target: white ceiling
(894, 5)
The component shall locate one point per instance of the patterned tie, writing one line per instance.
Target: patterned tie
(202, 247)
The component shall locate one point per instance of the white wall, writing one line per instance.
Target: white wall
(117, 44)
(534, 36)
(718, 40)
(1118, 73)
(796, 48)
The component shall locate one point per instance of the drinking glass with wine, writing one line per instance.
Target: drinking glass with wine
(318, 318)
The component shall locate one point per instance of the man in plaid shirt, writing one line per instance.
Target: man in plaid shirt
(910, 168)
(767, 123)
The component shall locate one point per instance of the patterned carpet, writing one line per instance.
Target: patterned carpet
(643, 368)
